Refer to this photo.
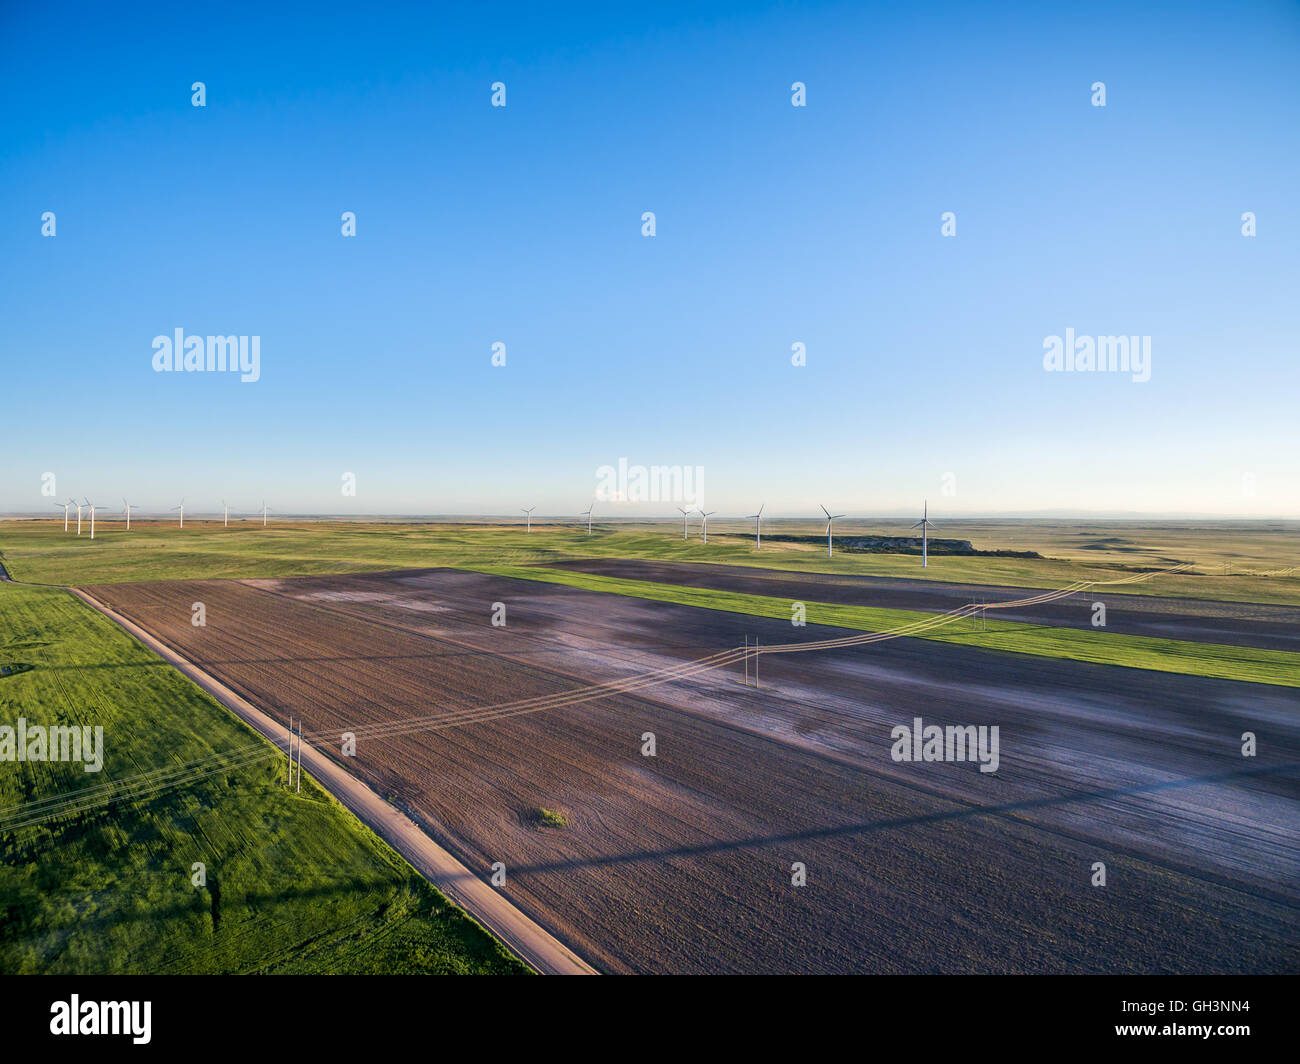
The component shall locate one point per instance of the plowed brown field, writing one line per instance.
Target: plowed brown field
(682, 862)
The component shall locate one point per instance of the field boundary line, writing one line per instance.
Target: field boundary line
(520, 934)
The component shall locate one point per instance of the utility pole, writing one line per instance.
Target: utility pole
(288, 781)
(299, 755)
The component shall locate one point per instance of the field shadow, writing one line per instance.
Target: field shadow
(959, 814)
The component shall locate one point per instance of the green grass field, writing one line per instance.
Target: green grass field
(294, 882)
(1226, 557)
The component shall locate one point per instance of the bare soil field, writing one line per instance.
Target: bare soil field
(1194, 620)
(682, 861)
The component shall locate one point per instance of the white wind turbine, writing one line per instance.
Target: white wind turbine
(587, 514)
(829, 518)
(263, 513)
(924, 525)
(685, 515)
(91, 505)
(704, 528)
(126, 509)
(226, 507)
(65, 514)
(528, 513)
(78, 506)
(181, 508)
(758, 531)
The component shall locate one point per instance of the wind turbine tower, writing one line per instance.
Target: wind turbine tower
(78, 506)
(704, 527)
(587, 514)
(685, 515)
(181, 508)
(758, 531)
(924, 525)
(65, 515)
(528, 511)
(830, 517)
(91, 505)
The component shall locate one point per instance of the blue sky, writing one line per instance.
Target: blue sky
(775, 225)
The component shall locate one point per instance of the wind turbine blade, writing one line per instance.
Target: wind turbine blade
(826, 512)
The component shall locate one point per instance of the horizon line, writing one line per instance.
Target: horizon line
(507, 518)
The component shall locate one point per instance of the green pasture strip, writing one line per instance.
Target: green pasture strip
(294, 882)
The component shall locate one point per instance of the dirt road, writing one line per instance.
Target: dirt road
(520, 934)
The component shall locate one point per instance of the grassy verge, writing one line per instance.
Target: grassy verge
(294, 882)
(1102, 648)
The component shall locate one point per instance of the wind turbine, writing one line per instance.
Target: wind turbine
(924, 525)
(78, 506)
(529, 512)
(704, 528)
(126, 509)
(65, 515)
(226, 507)
(829, 518)
(685, 514)
(181, 508)
(758, 532)
(92, 517)
(587, 514)
(263, 513)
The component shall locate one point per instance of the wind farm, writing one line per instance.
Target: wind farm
(589, 590)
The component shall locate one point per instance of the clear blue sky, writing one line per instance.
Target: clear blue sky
(775, 224)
